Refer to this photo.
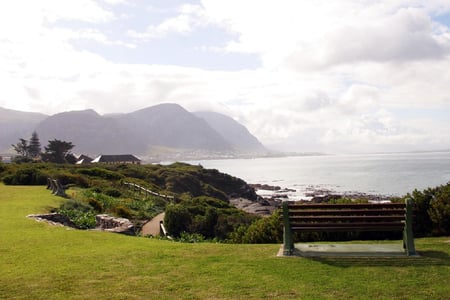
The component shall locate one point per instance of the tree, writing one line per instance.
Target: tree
(439, 211)
(34, 147)
(22, 148)
(56, 151)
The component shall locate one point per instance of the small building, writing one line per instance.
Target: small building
(117, 159)
(83, 159)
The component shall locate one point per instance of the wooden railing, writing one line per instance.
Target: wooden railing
(147, 191)
(56, 187)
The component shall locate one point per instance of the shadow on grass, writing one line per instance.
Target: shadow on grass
(426, 258)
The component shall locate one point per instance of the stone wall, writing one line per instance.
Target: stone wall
(103, 222)
(113, 224)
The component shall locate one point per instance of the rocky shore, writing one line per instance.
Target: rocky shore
(273, 196)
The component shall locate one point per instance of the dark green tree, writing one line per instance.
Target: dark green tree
(439, 211)
(22, 148)
(57, 151)
(34, 147)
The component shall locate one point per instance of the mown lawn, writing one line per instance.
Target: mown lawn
(40, 261)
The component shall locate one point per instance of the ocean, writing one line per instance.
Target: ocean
(378, 174)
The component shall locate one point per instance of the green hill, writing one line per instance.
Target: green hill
(41, 261)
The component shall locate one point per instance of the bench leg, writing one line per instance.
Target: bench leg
(408, 238)
(288, 243)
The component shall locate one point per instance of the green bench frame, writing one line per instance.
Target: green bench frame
(301, 217)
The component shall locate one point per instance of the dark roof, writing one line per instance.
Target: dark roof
(83, 159)
(116, 158)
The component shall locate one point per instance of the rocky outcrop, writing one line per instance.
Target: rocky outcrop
(53, 218)
(113, 224)
(261, 207)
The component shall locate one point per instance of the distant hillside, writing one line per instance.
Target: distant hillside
(15, 124)
(89, 132)
(235, 133)
(167, 128)
(172, 126)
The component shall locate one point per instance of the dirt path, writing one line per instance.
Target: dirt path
(152, 226)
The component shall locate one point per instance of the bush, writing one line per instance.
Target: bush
(123, 212)
(177, 219)
(439, 211)
(102, 173)
(113, 193)
(68, 178)
(96, 205)
(431, 211)
(26, 176)
(423, 225)
(191, 237)
(79, 213)
(262, 231)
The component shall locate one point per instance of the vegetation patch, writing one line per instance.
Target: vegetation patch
(40, 261)
(198, 203)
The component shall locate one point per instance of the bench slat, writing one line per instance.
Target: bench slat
(349, 205)
(345, 218)
(347, 212)
(345, 228)
(347, 224)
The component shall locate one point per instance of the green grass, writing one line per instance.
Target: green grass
(40, 261)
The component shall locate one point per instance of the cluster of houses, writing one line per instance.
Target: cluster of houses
(84, 159)
(108, 159)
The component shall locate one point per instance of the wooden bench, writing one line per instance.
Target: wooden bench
(348, 218)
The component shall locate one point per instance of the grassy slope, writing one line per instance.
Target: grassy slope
(40, 261)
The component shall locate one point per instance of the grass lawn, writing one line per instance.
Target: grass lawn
(40, 261)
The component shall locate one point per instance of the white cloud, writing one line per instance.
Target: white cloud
(334, 74)
(189, 17)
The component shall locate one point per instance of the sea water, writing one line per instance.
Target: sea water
(381, 174)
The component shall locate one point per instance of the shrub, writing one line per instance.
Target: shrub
(423, 225)
(439, 211)
(262, 231)
(102, 173)
(177, 219)
(96, 205)
(123, 212)
(191, 237)
(68, 178)
(113, 193)
(26, 176)
(432, 211)
(79, 213)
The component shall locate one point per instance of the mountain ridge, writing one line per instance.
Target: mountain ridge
(168, 127)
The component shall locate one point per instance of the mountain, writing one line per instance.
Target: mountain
(165, 131)
(89, 132)
(15, 124)
(172, 126)
(235, 133)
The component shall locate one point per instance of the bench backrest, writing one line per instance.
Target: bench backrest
(347, 217)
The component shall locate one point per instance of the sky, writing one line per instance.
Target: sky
(346, 76)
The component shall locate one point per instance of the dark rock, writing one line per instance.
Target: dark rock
(267, 187)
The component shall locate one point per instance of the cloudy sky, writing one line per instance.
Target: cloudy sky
(332, 76)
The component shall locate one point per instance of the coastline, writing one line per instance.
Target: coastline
(271, 198)
(315, 194)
